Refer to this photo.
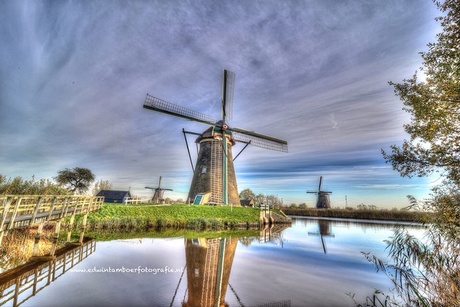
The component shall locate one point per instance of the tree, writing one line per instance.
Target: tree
(77, 180)
(260, 199)
(427, 273)
(434, 105)
(101, 185)
(247, 194)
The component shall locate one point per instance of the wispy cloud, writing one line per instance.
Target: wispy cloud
(75, 74)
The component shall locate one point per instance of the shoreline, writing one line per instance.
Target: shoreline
(371, 215)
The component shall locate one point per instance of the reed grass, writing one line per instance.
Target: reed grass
(18, 246)
(384, 215)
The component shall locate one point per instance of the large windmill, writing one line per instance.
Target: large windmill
(159, 192)
(214, 179)
(323, 196)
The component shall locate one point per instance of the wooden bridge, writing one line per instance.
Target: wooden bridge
(24, 210)
(23, 282)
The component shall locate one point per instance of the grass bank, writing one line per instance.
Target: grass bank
(384, 215)
(123, 234)
(145, 217)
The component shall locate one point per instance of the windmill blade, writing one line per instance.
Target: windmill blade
(159, 105)
(159, 183)
(228, 85)
(259, 140)
(320, 182)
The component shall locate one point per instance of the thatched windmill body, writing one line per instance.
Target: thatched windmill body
(214, 179)
(322, 202)
(158, 195)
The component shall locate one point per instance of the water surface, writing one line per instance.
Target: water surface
(316, 262)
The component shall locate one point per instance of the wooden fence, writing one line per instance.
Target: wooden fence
(25, 281)
(24, 210)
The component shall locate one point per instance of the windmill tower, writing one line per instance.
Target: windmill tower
(159, 192)
(214, 174)
(322, 201)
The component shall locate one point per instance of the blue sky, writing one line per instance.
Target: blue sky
(74, 76)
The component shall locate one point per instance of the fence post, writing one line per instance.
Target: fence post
(6, 207)
(53, 204)
(65, 208)
(37, 239)
(15, 212)
(83, 228)
(34, 216)
(57, 228)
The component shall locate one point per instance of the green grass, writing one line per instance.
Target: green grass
(119, 234)
(144, 217)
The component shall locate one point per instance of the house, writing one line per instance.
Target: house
(247, 202)
(112, 196)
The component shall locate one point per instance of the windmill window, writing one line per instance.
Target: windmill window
(203, 170)
(197, 272)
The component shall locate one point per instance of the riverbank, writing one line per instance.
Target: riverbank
(379, 215)
(156, 217)
(145, 217)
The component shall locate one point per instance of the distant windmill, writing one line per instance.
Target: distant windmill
(323, 196)
(214, 179)
(159, 192)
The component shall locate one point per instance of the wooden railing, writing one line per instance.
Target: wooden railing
(25, 281)
(24, 210)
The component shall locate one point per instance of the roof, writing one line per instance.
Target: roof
(113, 196)
(247, 202)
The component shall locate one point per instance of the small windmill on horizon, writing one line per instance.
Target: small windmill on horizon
(322, 202)
(214, 179)
(158, 195)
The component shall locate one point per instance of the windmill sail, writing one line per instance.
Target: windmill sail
(259, 140)
(214, 175)
(159, 105)
(228, 86)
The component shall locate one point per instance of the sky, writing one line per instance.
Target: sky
(74, 76)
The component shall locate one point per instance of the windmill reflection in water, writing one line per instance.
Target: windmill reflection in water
(324, 227)
(208, 265)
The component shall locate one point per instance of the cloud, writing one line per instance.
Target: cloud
(75, 74)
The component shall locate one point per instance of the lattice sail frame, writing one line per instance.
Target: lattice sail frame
(240, 135)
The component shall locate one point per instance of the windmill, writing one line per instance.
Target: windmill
(158, 194)
(214, 179)
(323, 201)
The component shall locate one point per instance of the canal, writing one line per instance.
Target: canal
(315, 262)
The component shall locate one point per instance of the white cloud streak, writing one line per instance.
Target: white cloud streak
(75, 74)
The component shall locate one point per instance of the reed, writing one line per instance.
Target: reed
(18, 246)
(384, 215)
